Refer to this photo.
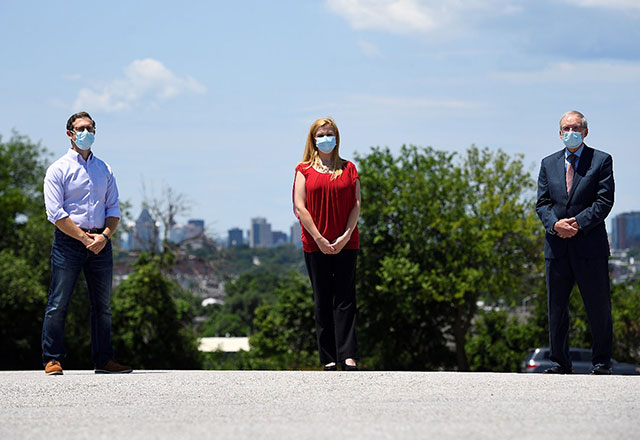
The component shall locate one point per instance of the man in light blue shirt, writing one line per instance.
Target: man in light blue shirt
(81, 199)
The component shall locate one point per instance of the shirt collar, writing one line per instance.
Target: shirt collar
(74, 155)
(577, 153)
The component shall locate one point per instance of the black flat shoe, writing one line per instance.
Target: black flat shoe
(333, 367)
(557, 369)
(346, 367)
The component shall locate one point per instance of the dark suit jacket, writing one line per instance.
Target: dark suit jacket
(589, 201)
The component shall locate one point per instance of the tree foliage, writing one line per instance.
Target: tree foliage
(148, 331)
(284, 329)
(242, 296)
(236, 260)
(285, 336)
(500, 342)
(25, 237)
(22, 304)
(626, 321)
(439, 233)
(23, 223)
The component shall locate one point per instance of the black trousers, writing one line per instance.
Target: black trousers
(592, 276)
(333, 279)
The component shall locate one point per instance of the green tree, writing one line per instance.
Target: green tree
(25, 238)
(284, 330)
(236, 260)
(147, 329)
(285, 336)
(500, 342)
(438, 234)
(626, 321)
(22, 304)
(23, 224)
(221, 323)
(243, 296)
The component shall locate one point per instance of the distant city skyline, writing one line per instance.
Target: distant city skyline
(623, 229)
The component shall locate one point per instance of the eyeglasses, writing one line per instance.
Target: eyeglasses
(568, 128)
(89, 128)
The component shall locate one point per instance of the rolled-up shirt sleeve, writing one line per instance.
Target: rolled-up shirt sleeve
(112, 205)
(54, 195)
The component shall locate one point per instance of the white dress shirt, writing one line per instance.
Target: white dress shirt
(86, 192)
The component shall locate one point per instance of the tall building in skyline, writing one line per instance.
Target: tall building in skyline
(295, 235)
(279, 238)
(235, 237)
(626, 230)
(260, 233)
(181, 233)
(143, 236)
(197, 225)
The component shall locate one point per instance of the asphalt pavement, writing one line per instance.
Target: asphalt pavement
(317, 405)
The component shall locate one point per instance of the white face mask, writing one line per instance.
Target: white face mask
(326, 144)
(84, 140)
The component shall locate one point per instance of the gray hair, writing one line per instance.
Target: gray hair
(583, 120)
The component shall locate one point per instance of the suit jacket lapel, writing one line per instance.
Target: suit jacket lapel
(561, 176)
(583, 166)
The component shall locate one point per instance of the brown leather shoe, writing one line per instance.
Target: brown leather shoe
(112, 367)
(53, 368)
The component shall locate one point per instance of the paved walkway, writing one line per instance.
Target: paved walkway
(317, 405)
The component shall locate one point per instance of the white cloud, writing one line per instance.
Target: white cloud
(611, 4)
(578, 72)
(405, 16)
(145, 80)
(391, 15)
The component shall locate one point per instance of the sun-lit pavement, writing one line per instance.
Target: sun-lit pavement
(294, 404)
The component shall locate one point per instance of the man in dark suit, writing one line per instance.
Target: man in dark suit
(575, 195)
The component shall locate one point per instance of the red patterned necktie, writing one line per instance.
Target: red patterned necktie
(570, 171)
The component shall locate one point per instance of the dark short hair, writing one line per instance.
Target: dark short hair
(78, 116)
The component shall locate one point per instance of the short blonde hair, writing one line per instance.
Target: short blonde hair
(311, 157)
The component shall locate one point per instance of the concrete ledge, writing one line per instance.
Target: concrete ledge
(315, 405)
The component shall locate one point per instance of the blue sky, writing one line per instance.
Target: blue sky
(215, 98)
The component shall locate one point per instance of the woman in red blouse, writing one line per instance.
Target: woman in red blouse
(326, 196)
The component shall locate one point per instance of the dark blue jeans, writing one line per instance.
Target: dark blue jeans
(68, 258)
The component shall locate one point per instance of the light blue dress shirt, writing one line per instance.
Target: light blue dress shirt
(577, 153)
(86, 192)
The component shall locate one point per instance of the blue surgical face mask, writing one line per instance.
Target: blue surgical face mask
(326, 144)
(572, 139)
(84, 140)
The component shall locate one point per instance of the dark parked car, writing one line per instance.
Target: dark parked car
(538, 360)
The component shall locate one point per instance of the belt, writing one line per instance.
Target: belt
(93, 230)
